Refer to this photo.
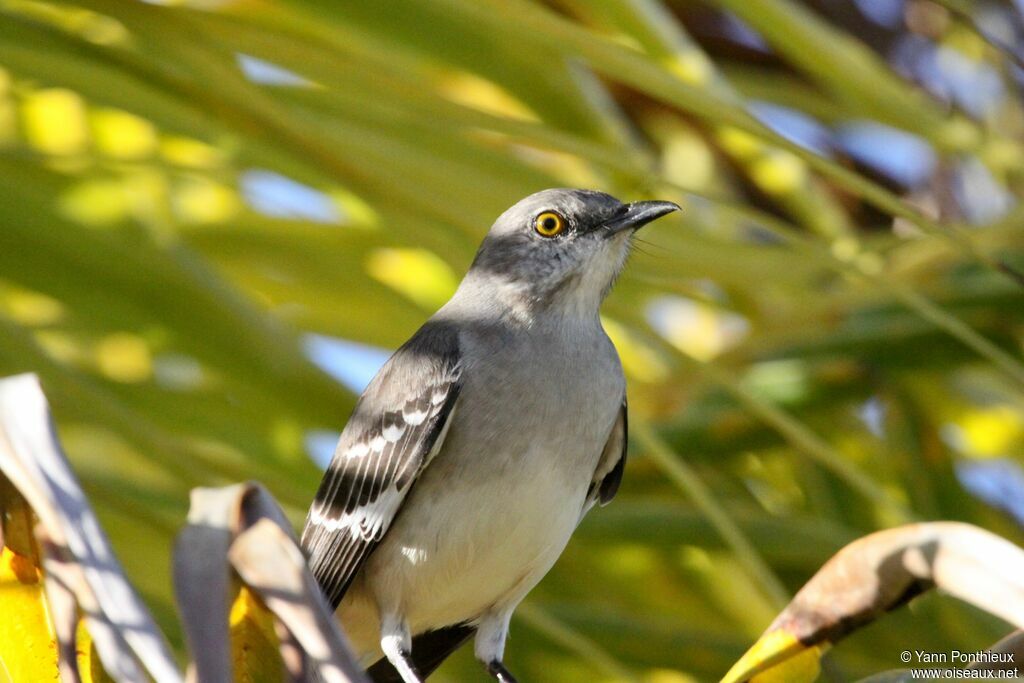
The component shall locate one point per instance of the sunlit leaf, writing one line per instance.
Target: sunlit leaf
(877, 574)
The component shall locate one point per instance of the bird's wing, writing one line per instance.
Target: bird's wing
(610, 467)
(398, 425)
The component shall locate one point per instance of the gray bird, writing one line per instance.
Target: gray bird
(480, 445)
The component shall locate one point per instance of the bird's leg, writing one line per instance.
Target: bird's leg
(489, 645)
(498, 670)
(396, 643)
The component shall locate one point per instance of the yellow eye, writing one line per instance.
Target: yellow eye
(549, 224)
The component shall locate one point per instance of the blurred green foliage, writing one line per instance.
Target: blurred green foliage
(816, 348)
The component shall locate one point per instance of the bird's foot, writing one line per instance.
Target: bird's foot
(395, 646)
(498, 670)
(406, 669)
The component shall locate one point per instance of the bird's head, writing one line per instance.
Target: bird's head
(562, 248)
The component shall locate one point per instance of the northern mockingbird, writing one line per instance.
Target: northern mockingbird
(480, 445)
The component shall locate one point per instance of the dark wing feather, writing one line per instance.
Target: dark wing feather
(610, 468)
(398, 424)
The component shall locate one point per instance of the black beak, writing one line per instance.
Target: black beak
(638, 214)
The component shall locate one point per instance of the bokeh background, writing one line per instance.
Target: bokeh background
(217, 218)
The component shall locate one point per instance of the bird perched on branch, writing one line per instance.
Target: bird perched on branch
(480, 445)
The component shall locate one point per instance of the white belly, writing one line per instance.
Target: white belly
(440, 566)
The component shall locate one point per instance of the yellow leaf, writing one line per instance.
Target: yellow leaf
(357, 212)
(54, 121)
(191, 153)
(778, 172)
(638, 360)
(991, 431)
(28, 645)
(89, 666)
(419, 274)
(202, 200)
(478, 93)
(30, 308)
(254, 645)
(777, 656)
(803, 668)
(124, 357)
(97, 202)
(691, 66)
(123, 135)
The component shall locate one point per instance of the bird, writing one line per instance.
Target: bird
(479, 446)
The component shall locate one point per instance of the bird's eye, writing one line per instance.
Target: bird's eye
(549, 224)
